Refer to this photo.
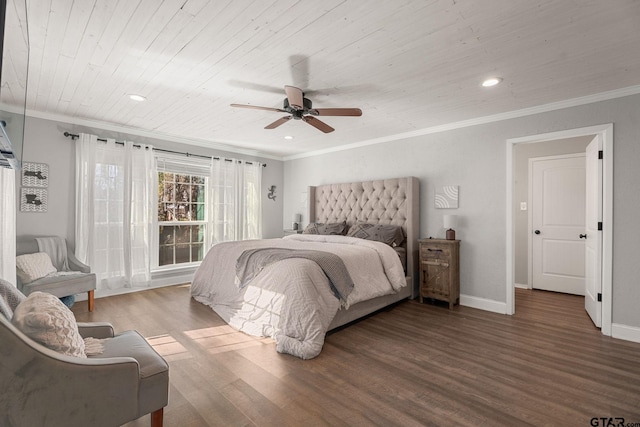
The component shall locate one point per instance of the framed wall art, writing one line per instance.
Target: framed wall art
(447, 197)
(35, 174)
(33, 200)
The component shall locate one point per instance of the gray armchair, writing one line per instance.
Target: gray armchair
(41, 387)
(60, 286)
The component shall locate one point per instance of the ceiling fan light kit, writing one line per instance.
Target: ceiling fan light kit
(301, 108)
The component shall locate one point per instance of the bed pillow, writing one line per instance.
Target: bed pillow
(392, 235)
(46, 320)
(339, 228)
(402, 254)
(30, 267)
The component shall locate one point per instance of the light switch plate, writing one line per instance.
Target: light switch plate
(523, 206)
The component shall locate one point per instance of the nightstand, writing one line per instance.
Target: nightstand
(287, 232)
(440, 270)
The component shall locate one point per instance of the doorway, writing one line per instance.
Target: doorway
(605, 133)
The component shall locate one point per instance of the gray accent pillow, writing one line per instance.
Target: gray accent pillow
(339, 228)
(392, 235)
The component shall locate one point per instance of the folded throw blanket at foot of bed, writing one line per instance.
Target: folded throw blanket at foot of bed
(251, 262)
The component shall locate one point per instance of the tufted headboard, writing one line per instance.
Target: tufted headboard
(387, 201)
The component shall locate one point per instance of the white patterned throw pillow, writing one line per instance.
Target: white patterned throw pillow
(32, 267)
(45, 319)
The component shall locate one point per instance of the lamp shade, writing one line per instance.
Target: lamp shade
(297, 217)
(450, 221)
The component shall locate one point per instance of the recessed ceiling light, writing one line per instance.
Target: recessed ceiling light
(288, 137)
(491, 82)
(138, 98)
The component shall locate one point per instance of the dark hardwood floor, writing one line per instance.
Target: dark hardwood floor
(414, 365)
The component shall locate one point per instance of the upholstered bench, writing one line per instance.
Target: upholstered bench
(72, 276)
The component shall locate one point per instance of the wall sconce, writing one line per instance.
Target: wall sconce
(271, 194)
(450, 222)
(297, 218)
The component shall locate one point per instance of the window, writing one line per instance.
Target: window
(181, 218)
(203, 201)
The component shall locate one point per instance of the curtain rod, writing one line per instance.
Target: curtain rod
(162, 150)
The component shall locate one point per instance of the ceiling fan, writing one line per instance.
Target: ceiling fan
(300, 108)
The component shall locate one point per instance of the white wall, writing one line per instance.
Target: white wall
(45, 143)
(475, 159)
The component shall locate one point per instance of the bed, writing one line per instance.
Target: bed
(292, 300)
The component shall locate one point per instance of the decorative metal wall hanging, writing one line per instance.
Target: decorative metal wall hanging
(272, 193)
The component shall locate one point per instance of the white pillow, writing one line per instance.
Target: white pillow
(34, 266)
(45, 319)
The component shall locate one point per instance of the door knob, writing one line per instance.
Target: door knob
(583, 236)
(537, 231)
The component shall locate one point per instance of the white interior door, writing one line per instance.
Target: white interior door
(593, 242)
(558, 220)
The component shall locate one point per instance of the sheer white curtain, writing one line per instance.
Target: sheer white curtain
(8, 225)
(235, 203)
(114, 210)
(250, 201)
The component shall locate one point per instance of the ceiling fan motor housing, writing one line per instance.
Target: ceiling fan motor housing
(297, 114)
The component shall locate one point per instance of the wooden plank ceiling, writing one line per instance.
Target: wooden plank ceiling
(408, 64)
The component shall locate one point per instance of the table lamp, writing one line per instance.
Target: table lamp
(297, 218)
(450, 222)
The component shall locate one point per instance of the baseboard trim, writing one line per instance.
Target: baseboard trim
(155, 283)
(625, 332)
(483, 304)
(521, 286)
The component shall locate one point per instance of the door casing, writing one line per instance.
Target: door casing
(606, 133)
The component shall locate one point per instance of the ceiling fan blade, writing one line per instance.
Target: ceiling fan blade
(256, 107)
(335, 112)
(318, 124)
(278, 122)
(255, 86)
(294, 95)
(299, 65)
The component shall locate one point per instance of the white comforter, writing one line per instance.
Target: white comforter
(291, 300)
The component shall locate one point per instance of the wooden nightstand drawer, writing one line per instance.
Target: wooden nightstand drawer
(435, 251)
(437, 263)
(439, 270)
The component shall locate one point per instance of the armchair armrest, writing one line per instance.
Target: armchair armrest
(75, 264)
(97, 330)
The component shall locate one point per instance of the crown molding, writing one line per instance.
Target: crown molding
(545, 108)
(150, 134)
(228, 145)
